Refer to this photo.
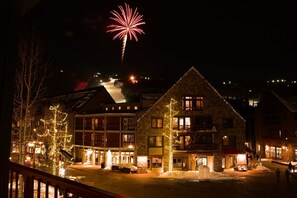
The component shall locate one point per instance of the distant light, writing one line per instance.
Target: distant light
(62, 172)
(30, 144)
(250, 90)
(133, 79)
(61, 70)
(241, 158)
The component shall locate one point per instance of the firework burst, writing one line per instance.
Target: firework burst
(126, 25)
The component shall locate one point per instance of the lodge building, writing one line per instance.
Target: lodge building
(204, 130)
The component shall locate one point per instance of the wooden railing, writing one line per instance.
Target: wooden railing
(28, 183)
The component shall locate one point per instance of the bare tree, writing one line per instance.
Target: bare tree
(30, 77)
(171, 134)
(55, 137)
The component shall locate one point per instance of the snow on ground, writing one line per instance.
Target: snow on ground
(195, 175)
(262, 168)
(226, 174)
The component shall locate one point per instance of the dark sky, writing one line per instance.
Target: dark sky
(241, 41)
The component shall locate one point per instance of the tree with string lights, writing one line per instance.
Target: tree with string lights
(171, 134)
(55, 137)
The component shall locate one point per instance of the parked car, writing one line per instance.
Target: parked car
(127, 168)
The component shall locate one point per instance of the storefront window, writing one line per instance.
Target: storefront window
(279, 152)
(177, 162)
(272, 151)
(156, 162)
(201, 161)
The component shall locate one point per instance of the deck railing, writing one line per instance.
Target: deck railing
(26, 182)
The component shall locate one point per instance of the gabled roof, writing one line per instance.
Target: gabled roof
(190, 71)
(76, 100)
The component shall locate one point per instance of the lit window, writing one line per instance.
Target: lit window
(278, 152)
(201, 161)
(177, 162)
(95, 123)
(127, 140)
(155, 141)
(272, 150)
(191, 103)
(181, 123)
(128, 124)
(156, 162)
(157, 122)
(128, 107)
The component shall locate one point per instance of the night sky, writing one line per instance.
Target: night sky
(242, 42)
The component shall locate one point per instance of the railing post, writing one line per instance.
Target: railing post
(29, 187)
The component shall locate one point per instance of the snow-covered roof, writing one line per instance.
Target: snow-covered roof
(78, 99)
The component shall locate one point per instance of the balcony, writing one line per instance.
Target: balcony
(40, 184)
(195, 128)
(199, 147)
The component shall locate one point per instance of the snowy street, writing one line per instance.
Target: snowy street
(261, 182)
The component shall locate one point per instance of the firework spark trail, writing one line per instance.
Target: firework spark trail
(126, 26)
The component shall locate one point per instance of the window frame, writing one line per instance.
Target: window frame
(154, 143)
(192, 103)
(155, 122)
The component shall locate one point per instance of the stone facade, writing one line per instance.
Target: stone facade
(214, 106)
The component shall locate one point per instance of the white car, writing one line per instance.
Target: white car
(131, 167)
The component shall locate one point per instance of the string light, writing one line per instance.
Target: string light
(56, 129)
(172, 138)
